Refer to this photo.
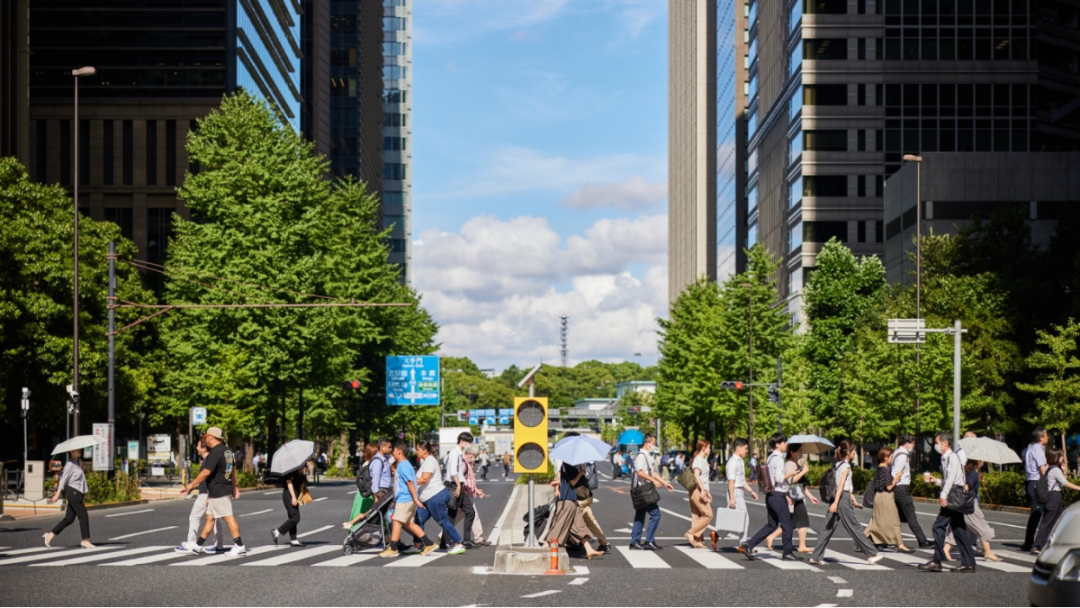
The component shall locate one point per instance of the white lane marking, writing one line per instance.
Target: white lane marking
(581, 569)
(643, 559)
(347, 560)
(844, 592)
(773, 559)
(138, 561)
(130, 513)
(255, 513)
(102, 556)
(294, 556)
(493, 534)
(826, 606)
(623, 531)
(54, 553)
(24, 551)
(217, 559)
(709, 559)
(837, 580)
(855, 563)
(680, 515)
(543, 593)
(315, 531)
(141, 533)
(415, 561)
(2, 548)
(269, 493)
(905, 558)
(1023, 557)
(319, 499)
(578, 581)
(350, 493)
(1003, 566)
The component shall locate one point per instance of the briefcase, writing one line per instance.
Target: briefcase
(730, 520)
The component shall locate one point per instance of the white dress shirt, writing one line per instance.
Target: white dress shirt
(902, 463)
(736, 470)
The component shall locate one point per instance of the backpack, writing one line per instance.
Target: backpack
(665, 460)
(590, 474)
(828, 485)
(1042, 489)
(868, 496)
(363, 480)
(765, 482)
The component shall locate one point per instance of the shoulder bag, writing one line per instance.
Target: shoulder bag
(687, 479)
(304, 497)
(643, 493)
(960, 500)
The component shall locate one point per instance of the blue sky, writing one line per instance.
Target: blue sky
(539, 168)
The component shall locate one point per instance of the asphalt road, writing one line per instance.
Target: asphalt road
(138, 542)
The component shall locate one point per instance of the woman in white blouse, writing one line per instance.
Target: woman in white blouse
(73, 485)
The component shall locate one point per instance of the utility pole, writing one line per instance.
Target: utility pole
(112, 350)
(918, 298)
(84, 71)
(563, 351)
(750, 314)
(778, 393)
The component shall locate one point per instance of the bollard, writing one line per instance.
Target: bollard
(554, 544)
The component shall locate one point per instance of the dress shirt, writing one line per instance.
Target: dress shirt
(902, 463)
(72, 477)
(736, 470)
(776, 471)
(952, 473)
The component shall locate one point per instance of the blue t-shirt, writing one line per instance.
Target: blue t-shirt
(405, 474)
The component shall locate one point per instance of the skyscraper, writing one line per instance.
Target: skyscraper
(706, 151)
(161, 64)
(14, 80)
(397, 131)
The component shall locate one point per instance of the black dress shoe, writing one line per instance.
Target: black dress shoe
(930, 566)
(653, 546)
(470, 545)
(790, 557)
(604, 548)
(926, 545)
(747, 552)
(637, 547)
(964, 569)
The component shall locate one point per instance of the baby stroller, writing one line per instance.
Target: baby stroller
(372, 530)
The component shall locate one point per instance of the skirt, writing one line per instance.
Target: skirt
(799, 517)
(884, 528)
(977, 526)
(568, 526)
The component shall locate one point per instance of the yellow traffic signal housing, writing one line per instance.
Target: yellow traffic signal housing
(530, 434)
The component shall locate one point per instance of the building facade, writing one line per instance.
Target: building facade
(397, 132)
(840, 90)
(161, 64)
(15, 80)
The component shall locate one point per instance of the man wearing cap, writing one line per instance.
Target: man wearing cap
(219, 472)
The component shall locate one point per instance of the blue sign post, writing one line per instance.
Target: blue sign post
(412, 381)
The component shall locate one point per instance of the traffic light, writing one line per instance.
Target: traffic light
(735, 385)
(530, 434)
(631, 410)
(351, 385)
(774, 394)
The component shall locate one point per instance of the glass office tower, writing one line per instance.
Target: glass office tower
(397, 131)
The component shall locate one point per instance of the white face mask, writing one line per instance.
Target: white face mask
(937, 448)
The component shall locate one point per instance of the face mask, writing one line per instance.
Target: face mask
(937, 448)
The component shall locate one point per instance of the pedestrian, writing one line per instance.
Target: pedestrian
(381, 479)
(73, 486)
(1053, 507)
(797, 497)
(776, 503)
(198, 513)
(581, 487)
(362, 504)
(219, 472)
(256, 462)
(753, 468)
(701, 497)
(628, 463)
(978, 528)
(293, 486)
(616, 464)
(952, 473)
(901, 466)
(406, 504)
(1034, 467)
(473, 492)
(735, 471)
(568, 527)
(434, 496)
(645, 472)
(455, 472)
(484, 461)
(506, 465)
(842, 510)
(884, 528)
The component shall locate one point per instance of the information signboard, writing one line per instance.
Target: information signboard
(412, 380)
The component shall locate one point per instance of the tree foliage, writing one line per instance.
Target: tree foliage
(1058, 384)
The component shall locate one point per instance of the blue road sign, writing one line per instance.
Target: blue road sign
(412, 381)
(474, 421)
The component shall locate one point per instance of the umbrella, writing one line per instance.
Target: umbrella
(812, 444)
(292, 456)
(631, 437)
(988, 450)
(78, 443)
(579, 450)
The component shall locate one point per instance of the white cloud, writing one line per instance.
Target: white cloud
(497, 288)
(632, 194)
(474, 17)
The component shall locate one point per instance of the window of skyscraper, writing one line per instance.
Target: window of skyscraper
(825, 49)
(830, 140)
(825, 185)
(795, 16)
(751, 236)
(826, 7)
(751, 200)
(795, 148)
(795, 237)
(821, 232)
(795, 60)
(825, 95)
(795, 192)
(122, 217)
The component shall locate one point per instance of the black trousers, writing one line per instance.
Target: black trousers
(470, 514)
(1051, 512)
(75, 508)
(1037, 509)
(906, 506)
(779, 517)
(951, 519)
(294, 516)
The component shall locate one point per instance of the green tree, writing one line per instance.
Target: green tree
(1057, 383)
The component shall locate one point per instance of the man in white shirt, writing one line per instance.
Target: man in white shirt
(645, 472)
(1034, 467)
(952, 472)
(901, 465)
(455, 473)
(776, 503)
(735, 471)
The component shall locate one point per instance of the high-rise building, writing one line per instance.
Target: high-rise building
(706, 135)
(397, 132)
(15, 80)
(161, 64)
(840, 90)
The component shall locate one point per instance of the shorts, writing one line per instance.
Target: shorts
(404, 512)
(220, 507)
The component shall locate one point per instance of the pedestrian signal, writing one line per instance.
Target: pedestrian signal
(732, 386)
(351, 385)
(530, 434)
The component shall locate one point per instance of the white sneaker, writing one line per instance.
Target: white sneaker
(237, 550)
(192, 548)
(295, 543)
(877, 558)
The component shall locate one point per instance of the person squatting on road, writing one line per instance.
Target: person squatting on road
(701, 497)
(434, 496)
(644, 472)
(797, 497)
(842, 510)
(406, 505)
(735, 471)
(198, 514)
(293, 485)
(952, 471)
(73, 485)
(219, 472)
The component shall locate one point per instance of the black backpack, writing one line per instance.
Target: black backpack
(363, 480)
(591, 476)
(828, 485)
(1042, 489)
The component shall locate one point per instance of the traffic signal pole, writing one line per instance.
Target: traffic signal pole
(530, 540)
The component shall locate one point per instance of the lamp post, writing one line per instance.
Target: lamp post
(912, 158)
(84, 71)
(750, 313)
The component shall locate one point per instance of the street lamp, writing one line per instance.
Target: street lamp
(84, 71)
(912, 158)
(750, 313)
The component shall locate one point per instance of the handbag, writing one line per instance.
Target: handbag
(687, 479)
(304, 497)
(960, 500)
(644, 496)
(455, 501)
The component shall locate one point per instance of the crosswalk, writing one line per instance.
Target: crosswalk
(330, 556)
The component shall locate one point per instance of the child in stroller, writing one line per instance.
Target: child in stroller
(370, 528)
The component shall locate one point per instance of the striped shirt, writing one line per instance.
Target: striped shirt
(72, 477)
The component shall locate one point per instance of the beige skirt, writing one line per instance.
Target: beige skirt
(884, 528)
(978, 528)
(567, 526)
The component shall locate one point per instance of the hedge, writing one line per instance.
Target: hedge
(120, 488)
